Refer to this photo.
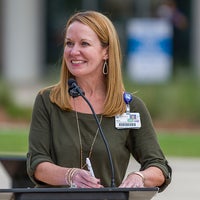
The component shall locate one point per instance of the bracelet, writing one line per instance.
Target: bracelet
(139, 174)
(69, 176)
(66, 177)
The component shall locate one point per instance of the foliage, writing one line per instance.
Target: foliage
(7, 103)
(176, 100)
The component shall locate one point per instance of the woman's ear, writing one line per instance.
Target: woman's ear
(105, 57)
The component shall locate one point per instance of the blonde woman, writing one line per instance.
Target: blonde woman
(63, 131)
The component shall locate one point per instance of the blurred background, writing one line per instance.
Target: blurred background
(161, 64)
(159, 39)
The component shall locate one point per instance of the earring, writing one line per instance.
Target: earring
(105, 68)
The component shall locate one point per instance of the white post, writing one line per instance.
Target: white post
(23, 40)
(195, 40)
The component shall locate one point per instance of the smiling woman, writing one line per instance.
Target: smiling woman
(63, 131)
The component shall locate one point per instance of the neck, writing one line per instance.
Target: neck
(95, 92)
(92, 87)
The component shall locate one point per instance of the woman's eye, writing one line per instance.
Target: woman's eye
(69, 44)
(85, 44)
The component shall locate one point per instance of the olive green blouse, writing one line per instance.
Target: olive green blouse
(54, 138)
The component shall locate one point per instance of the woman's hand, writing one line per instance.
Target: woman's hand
(150, 177)
(55, 175)
(83, 179)
(133, 180)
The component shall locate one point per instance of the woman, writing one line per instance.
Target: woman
(63, 131)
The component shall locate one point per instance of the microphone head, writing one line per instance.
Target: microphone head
(71, 81)
(74, 90)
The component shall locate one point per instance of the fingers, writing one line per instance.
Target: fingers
(131, 185)
(132, 181)
(83, 179)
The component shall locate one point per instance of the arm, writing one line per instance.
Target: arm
(50, 173)
(41, 160)
(152, 177)
(144, 146)
(55, 175)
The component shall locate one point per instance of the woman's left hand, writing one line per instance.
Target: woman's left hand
(150, 177)
(132, 181)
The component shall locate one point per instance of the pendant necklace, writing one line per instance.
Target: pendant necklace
(82, 166)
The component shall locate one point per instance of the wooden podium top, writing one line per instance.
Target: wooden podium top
(81, 193)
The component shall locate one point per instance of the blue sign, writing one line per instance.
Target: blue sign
(149, 50)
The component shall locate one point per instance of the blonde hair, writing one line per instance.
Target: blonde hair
(108, 37)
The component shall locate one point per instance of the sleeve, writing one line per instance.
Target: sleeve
(144, 145)
(39, 137)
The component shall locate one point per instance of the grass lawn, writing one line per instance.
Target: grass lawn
(180, 143)
(173, 143)
(13, 141)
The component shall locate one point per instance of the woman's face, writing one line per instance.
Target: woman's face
(83, 52)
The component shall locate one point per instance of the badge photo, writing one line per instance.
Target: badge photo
(128, 121)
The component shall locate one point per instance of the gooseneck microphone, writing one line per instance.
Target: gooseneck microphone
(75, 91)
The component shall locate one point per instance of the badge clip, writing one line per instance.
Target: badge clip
(127, 99)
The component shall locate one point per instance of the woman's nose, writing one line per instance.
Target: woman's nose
(75, 50)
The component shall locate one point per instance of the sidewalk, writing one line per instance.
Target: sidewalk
(185, 180)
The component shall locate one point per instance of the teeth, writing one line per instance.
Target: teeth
(77, 61)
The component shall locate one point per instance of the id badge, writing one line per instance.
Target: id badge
(128, 121)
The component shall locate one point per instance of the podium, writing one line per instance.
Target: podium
(15, 166)
(81, 194)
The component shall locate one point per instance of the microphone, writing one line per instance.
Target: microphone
(75, 91)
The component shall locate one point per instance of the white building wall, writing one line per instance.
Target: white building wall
(23, 40)
(195, 39)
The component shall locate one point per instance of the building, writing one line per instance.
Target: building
(30, 32)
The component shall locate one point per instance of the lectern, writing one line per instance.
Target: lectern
(81, 194)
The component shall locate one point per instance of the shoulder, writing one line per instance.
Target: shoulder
(43, 96)
(137, 103)
(45, 92)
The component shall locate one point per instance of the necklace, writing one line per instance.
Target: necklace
(80, 141)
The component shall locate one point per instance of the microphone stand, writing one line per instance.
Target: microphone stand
(74, 91)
